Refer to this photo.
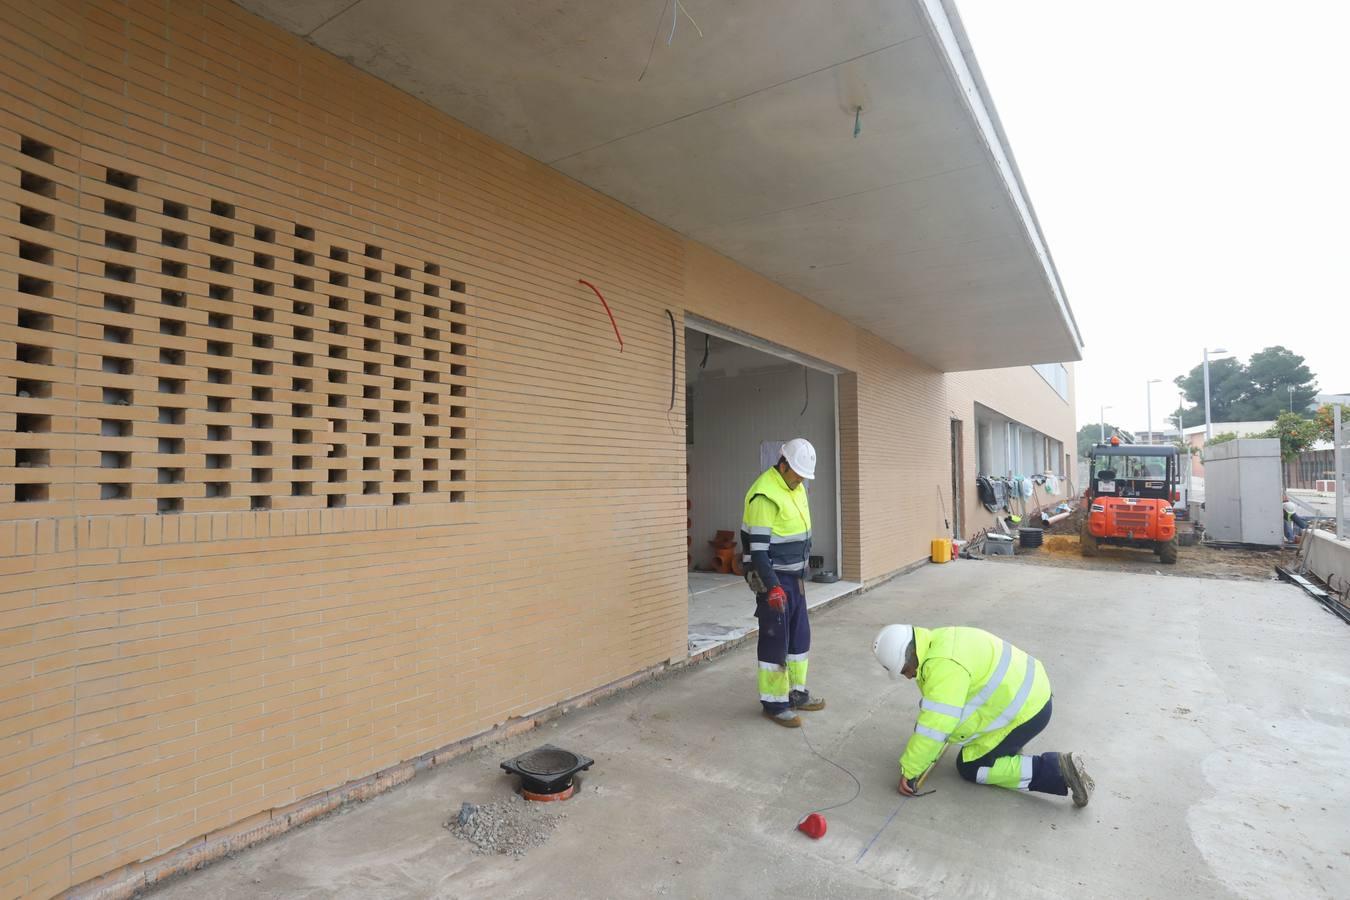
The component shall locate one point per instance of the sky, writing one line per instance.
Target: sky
(1190, 166)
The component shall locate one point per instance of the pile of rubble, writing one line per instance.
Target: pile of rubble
(506, 826)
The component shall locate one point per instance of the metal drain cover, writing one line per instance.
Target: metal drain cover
(547, 769)
(547, 761)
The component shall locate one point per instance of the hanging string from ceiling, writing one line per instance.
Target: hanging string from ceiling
(675, 11)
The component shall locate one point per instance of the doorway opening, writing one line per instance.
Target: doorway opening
(744, 399)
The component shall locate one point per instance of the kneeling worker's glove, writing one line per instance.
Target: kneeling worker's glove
(777, 599)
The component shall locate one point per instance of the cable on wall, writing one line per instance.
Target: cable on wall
(608, 311)
(673, 350)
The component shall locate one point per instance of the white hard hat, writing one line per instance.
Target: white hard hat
(801, 456)
(890, 646)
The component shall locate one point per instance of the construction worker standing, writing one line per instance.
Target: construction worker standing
(776, 542)
(985, 696)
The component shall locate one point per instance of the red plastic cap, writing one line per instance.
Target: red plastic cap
(813, 826)
(1115, 441)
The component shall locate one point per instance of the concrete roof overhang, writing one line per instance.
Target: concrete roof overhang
(917, 228)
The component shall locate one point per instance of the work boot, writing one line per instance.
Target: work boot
(1076, 777)
(804, 701)
(787, 718)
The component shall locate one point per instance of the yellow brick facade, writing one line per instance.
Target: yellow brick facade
(317, 456)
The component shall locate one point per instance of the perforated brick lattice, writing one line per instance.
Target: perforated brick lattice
(168, 354)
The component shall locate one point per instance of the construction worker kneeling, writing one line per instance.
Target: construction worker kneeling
(987, 697)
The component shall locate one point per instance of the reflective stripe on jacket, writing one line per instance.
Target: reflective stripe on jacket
(976, 688)
(776, 528)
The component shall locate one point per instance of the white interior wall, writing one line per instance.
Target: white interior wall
(743, 398)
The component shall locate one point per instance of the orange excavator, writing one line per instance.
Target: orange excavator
(1131, 489)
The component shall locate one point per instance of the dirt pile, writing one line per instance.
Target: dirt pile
(506, 827)
(1062, 544)
(1074, 523)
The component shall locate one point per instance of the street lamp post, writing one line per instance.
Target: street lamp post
(1101, 421)
(1148, 386)
(1291, 398)
(1209, 431)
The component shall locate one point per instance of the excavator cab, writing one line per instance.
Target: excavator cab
(1131, 489)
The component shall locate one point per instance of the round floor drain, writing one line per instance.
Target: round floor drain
(546, 772)
(547, 761)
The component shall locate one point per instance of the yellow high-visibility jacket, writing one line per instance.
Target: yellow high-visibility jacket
(976, 688)
(776, 528)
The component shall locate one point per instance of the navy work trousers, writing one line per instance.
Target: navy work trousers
(1045, 775)
(784, 642)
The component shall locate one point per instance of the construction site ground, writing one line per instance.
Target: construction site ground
(1197, 561)
(1211, 712)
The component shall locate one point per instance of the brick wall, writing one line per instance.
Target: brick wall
(316, 456)
(327, 457)
(1019, 393)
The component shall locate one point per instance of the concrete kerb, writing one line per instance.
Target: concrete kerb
(133, 880)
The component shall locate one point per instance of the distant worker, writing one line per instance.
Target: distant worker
(1294, 524)
(984, 695)
(776, 541)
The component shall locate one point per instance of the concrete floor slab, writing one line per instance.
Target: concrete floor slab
(1212, 713)
(721, 608)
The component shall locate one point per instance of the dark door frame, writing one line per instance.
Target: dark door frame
(958, 477)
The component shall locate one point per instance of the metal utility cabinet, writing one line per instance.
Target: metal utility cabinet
(1244, 490)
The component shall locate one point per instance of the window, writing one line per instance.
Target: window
(1057, 376)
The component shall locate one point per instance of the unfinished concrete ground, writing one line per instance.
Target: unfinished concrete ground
(1196, 561)
(1213, 714)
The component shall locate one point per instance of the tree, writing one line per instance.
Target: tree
(1253, 392)
(1190, 415)
(1090, 435)
(1221, 438)
(1326, 422)
(1228, 387)
(1272, 372)
(1296, 434)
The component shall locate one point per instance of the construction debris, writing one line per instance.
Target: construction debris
(508, 827)
(1202, 561)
